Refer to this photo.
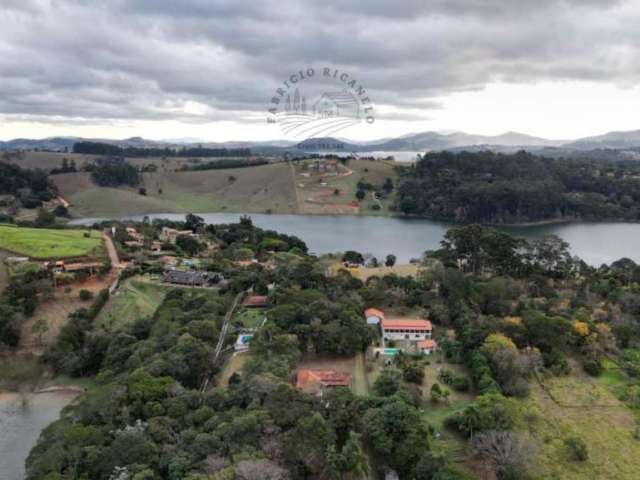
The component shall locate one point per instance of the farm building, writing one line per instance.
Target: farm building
(256, 301)
(428, 346)
(373, 316)
(316, 381)
(60, 266)
(195, 279)
(406, 329)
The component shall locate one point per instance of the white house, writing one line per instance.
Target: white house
(406, 329)
(373, 316)
(428, 346)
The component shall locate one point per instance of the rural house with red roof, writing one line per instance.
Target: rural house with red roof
(406, 329)
(373, 316)
(428, 346)
(316, 381)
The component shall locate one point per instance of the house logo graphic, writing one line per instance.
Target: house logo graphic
(318, 105)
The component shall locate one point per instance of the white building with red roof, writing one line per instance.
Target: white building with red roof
(406, 329)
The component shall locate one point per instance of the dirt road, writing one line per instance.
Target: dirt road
(111, 250)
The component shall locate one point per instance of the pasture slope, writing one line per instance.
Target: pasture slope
(40, 243)
(265, 188)
(578, 405)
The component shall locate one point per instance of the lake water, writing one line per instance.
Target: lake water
(595, 243)
(21, 424)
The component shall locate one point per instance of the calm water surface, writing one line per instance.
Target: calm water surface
(595, 243)
(21, 424)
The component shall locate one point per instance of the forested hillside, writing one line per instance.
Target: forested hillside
(526, 334)
(488, 187)
(31, 187)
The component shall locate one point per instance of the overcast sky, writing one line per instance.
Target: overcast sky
(208, 69)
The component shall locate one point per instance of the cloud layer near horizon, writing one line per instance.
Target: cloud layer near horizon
(199, 61)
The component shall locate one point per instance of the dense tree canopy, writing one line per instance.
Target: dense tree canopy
(488, 187)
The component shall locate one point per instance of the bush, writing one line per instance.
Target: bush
(85, 295)
(577, 448)
(461, 384)
(592, 366)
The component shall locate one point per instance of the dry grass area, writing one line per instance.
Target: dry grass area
(233, 365)
(55, 312)
(362, 372)
(363, 273)
(318, 198)
(578, 405)
(48, 160)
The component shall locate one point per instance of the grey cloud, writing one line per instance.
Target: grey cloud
(144, 59)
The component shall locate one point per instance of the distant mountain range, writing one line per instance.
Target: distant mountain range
(423, 141)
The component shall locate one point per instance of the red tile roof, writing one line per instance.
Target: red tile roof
(429, 343)
(374, 312)
(312, 380)
(256, 301)
(406, 323)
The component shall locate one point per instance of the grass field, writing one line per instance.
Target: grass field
(582, 406)
(252, 190)
(135, 298)
(249, 318)
(49, 243)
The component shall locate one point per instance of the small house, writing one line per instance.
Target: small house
(171, 234)
(373, 316)
(428, 346)
(406, 329)
(133, 233)
(256, 301)
(316, 381)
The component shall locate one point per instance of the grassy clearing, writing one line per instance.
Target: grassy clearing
(582, 406)
(233, 365)
(249, 318)
(4, 270)
(437, 413)
(135, 298)
(363, 273)
(44, 243)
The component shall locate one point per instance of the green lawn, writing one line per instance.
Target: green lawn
(44, 243)
(134, 299)
(250, 318)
